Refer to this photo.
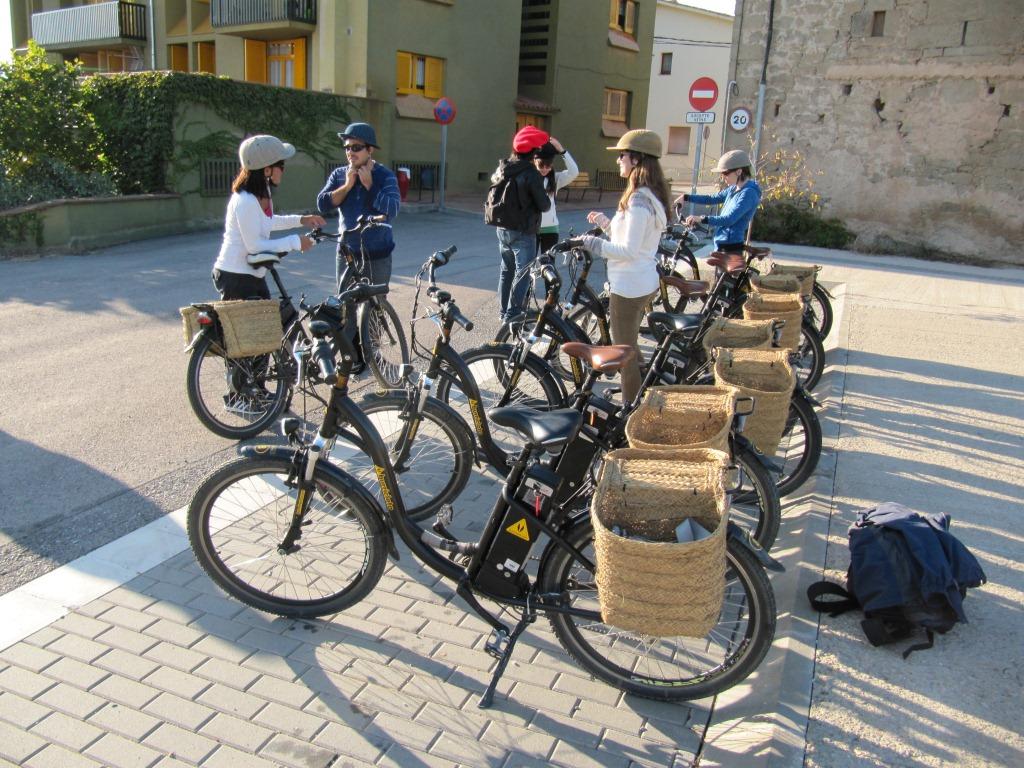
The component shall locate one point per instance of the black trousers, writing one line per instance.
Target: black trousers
(234, 285)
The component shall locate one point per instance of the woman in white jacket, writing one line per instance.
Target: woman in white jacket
(631, 250)
(250, 219)
(547, 235)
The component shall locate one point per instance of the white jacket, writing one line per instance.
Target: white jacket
(247, 230)
(549, 218)
(632, 247)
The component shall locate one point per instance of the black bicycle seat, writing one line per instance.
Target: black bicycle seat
(670, 322)
(548, 430)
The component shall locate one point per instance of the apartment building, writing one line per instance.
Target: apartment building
(577, 67)
(690, 41)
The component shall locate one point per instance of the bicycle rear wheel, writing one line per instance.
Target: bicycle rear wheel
(385, 349)
(664, 668)
(236, 398)
(238, 519)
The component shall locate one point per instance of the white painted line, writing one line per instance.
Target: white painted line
(42, 601)
(702, 94)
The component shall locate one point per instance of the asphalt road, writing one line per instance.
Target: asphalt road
(96, 433)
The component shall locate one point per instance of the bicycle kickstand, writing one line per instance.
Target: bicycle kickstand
(500, 647)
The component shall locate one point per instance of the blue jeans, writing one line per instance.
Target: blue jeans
(517, 251)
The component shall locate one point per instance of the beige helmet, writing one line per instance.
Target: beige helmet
(640, 140)
(262, 151)
(732, 160)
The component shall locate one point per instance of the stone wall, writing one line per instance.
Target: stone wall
(919, 129)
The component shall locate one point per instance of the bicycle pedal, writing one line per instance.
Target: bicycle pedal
(444, 516)
(498, 644)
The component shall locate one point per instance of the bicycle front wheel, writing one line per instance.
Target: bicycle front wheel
(664, 668)
(820, 311)
(501, 379)
(385, 349)
(438, 452)
(239, 397)
(800, 447)
(755, 501)
(810, 357)
(238, 519)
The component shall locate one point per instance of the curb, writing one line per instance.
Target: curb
(762, 722)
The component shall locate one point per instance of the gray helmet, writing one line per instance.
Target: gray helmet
(732, 160)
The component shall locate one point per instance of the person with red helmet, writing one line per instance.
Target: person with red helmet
(523, 199)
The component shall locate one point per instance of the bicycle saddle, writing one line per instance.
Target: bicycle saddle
(608, 359)
(730, 262)
(757, 253)
(688, 288)
(670, 322)
(548, 430)
(263, 259)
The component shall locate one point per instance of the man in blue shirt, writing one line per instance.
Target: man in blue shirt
(363, 186)
(739, 201)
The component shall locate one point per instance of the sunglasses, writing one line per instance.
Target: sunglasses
(355, 147)
(278, 164)
(729, 173)
(542, 162)
(625, 154)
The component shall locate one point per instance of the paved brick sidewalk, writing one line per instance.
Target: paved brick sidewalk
(166, 671)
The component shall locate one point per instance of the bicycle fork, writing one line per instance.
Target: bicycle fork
(303, 468)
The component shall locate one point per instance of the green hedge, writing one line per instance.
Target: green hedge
(781, 222)
(134, 116)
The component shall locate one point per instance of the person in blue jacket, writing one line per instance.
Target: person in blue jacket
(363, 186)
(739, 201)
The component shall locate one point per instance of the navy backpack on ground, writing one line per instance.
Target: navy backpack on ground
(907, 572)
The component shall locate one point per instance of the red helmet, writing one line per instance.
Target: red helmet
(528, 139)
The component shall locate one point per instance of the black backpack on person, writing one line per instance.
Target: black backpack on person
(504, 206)
(907, 573)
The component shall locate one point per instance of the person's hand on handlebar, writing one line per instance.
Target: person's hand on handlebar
(313, 221)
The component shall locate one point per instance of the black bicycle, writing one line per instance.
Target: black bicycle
(239, 397)
(287, 533)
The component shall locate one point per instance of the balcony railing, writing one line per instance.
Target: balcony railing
(236, 13)
(89, 24)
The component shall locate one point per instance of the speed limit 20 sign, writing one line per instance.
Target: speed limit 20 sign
(739, 120)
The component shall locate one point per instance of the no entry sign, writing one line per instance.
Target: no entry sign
(703, 94)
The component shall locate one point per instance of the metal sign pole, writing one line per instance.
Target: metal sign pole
(444, 153)
(696, 164)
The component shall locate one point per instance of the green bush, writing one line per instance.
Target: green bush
(134, 114)
(784, 222)
(43, 115)
(50, 179)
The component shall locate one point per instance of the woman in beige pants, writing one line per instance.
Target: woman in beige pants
(633, 237)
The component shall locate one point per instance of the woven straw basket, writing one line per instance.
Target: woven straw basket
(781, 306)
(190, 323)
(777, 284)
(250, 327)
(745, 334)
(806, 275)
(766, 376)
(683, 416)
(654, 584)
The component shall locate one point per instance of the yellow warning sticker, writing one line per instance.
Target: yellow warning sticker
(519, 529)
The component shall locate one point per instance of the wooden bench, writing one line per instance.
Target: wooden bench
(609, 181)
(581, 183)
